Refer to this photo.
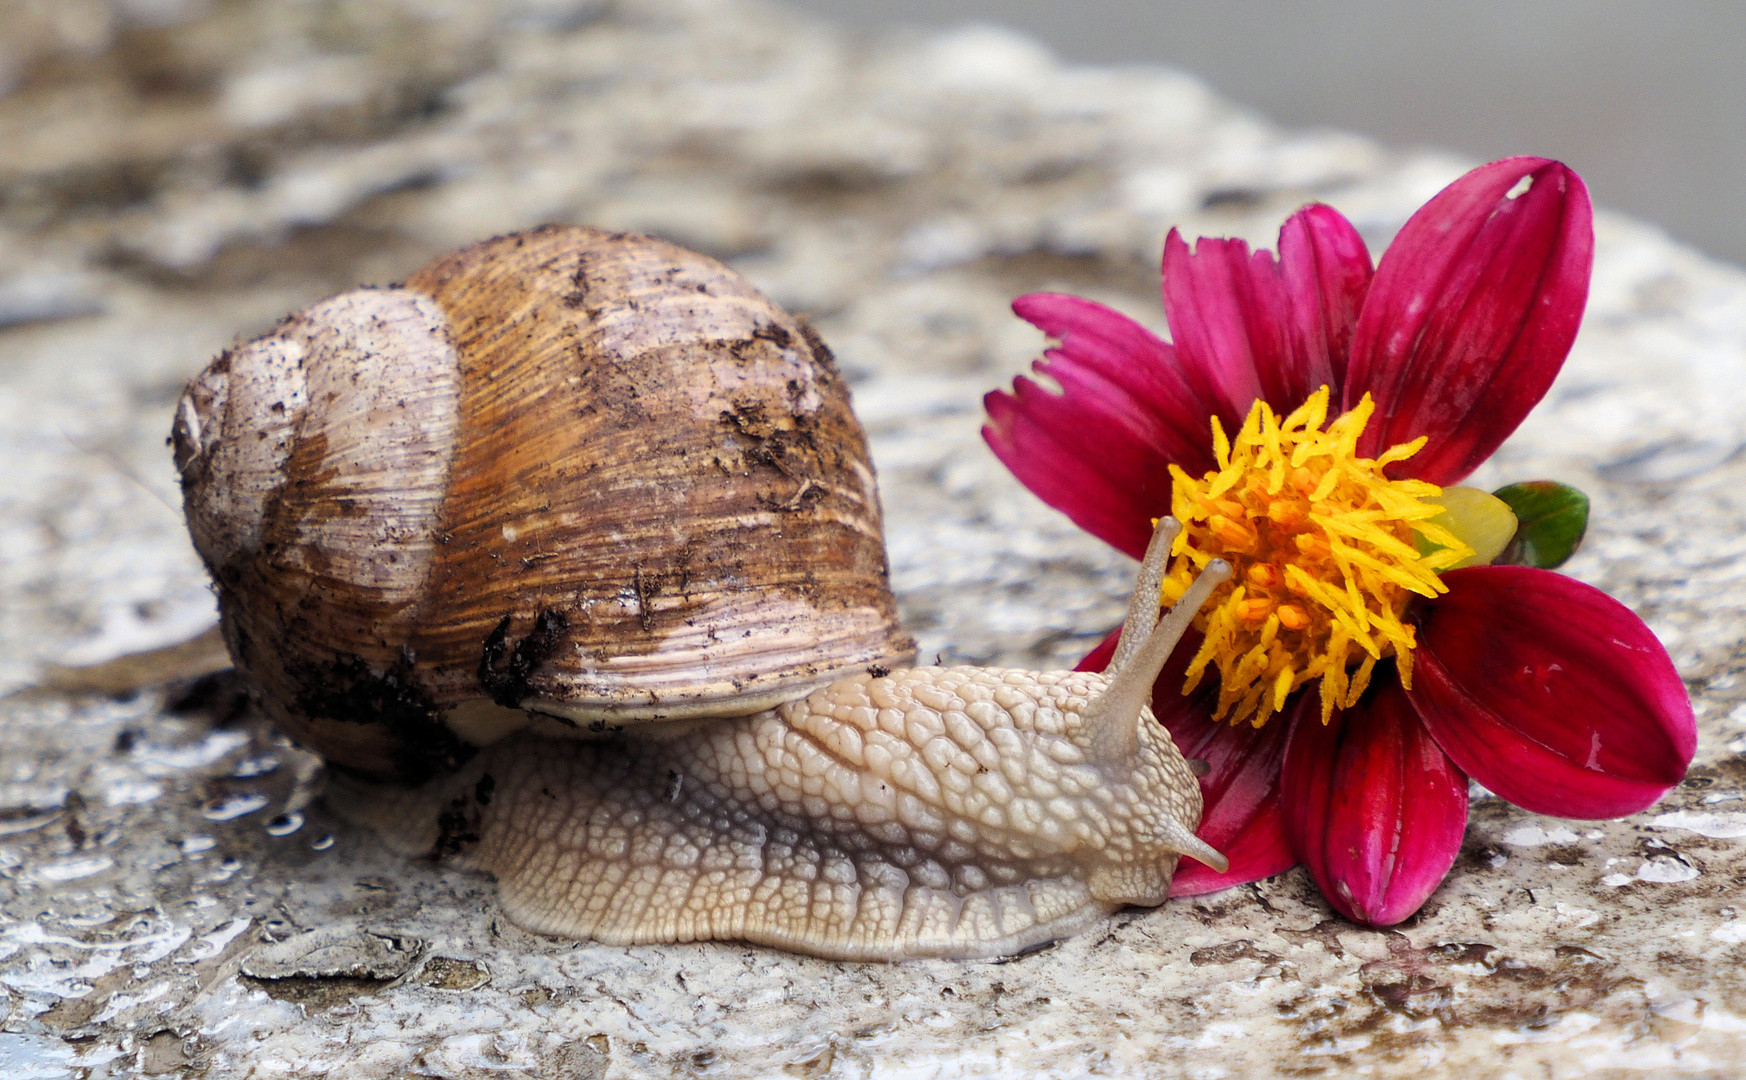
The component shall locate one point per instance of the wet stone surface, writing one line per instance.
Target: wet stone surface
(175, 899)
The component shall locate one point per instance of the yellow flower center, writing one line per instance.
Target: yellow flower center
(1323, 545)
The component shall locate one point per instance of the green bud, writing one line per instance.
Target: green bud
(1553, 518)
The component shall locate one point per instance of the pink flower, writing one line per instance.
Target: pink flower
(1353, 676)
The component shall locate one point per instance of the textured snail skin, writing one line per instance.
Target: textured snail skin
(589, 475)
(933, 812)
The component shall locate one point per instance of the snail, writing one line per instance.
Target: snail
(567, 554)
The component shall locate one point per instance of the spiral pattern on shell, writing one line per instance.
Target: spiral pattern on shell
(586, 477)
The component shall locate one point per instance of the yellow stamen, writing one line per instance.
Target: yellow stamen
(1254, 610)
(1232, 534)
(1264, 575)
(1328, 551)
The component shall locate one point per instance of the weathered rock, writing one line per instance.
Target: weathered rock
(165, 189)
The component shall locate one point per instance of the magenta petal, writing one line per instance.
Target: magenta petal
(1326, 269)
(1240, 791)
(1247, 326)
(1046, 456)
(1225, 309)
(1107, 353)
(1099, 450)
(1472, 311)
(1551, 693)
(1373, 808)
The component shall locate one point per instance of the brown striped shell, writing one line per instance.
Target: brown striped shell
(583, 477)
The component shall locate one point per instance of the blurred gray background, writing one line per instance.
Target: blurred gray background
(1647, 100)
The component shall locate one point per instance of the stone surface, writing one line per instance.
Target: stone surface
(175, 174)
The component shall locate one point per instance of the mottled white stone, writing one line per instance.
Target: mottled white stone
(901, 191)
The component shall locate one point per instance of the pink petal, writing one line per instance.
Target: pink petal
(1551, 693)
(1327, 273)
(1101, 346)
(1373, 808)
(1240, 792)
(1246, 326)
(1099, 450)
(1223, 305)
(1471, 314)
(1046, 456)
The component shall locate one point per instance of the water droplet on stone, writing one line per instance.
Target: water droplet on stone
(132, 790)
(231, 807)
(73, 869)
(197, 755)
(321, 843)
(260, 765)
(285, 824)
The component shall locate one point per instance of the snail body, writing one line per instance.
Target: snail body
(932, 812)
(574, 539)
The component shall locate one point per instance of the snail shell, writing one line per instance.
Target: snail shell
(590, 478)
